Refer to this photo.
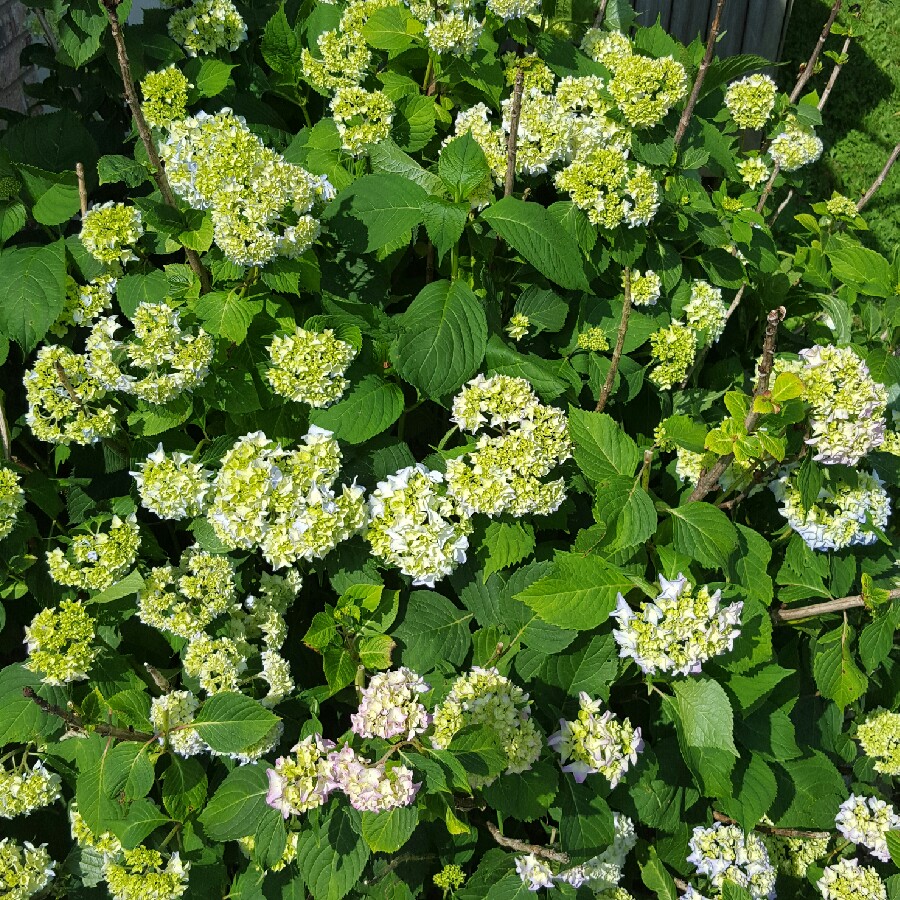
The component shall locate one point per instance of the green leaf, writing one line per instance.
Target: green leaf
(387, 832)
(591, 667)
(129, 585)
(877, 638)
(433, 630)
(749, 564)
(657, 878)
(113, 169)
(33, 287)
(332, 857)
(580, 591)
(390, 28)
(210, 77)
(478, 750)
(529, 229)
(54, 194)
(586, 825)
(546, 310)
(279, 46)
(445, 223)
(837, 675)
(142, 819)
(184, 786)
(413, 125)
(815, 789)
(372, 406)
(227, 314)
(627, 511)
(444, 338)
(527, 795)
(601, 448)
(507, 543)
(132, 290)
(463, 167)
(705, 533)
(375, 651)
(754, 790)
(867, 271)
(388, 159)
(238, 806)
(231, 722)
(340, 668)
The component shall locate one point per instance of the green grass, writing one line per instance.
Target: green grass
(862, 116)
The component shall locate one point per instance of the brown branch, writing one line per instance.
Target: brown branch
(82, 188)
(617, 350)
(120, 734)
(770, 184)
(515, 112)
(524, 847)
(784, 614)
(879, 181)
(771, 829)
(601, 13)
(134, 105)
(809, 69)
(709, 478)
(834, 73)
(781, 207)
(701, 74)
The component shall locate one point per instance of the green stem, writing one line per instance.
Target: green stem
(454, 262)
(429, 70)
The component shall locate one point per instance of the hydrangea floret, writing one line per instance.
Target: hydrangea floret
(751, 100)
(165, 96)
(24, 790)
(144, 873)
(518, 326)
(674, 349)
(171, 716)
(879, 737)
(705, 310)
(12, 499)
(309, 366)
(25, 870)
(371, 787)
(848, 880)
(866, 821)
(172, 485)
(725, 852)
(754, 171)
(94, 561)
(594, 339)
(207, 26)
(110, 230)
(362, 117)
(389, 706)
(795, 147)
(302, 781)
(61, 643)
(645, 287)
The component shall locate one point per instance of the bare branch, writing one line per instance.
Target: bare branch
(779, 832)
(835, 72)
(120, 734)
(524, 846)
(515, 111)
(701, 74)
(82, 188)
(784, 614)
(809, 69)
(879, 181)
(620, 343)
(601, 13)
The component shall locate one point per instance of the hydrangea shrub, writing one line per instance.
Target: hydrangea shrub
(445, 452)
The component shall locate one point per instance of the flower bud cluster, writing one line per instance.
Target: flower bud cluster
(207, 26)
(841, 207)
(518, 326)
(679, 631)
(725, 852)
(172, 715)
(848, 880)
(60, 642)
(415, 525)
(93, 562)
(217, 663)
(165, 96)
(144, 873)
(503, 474)
(450, 878)
(175, 359)
(485, 697)
(794, 855)
(282, 501)
(12, 499)
(842, 514)
(171, 485)
(66, 403)
(185, 600)
(260, 204)
(795, 147)
(596, 742)
(674, 348)
(751, 100)
(866, 821)
(25, 870)
(389, 706)
(705, 311)
(309, 366)
(22, 792)
(110, 230)
(594, 339)
(879, 737)
(362, 117)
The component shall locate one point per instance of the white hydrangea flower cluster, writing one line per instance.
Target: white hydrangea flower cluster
(260, 203)
(415, 525)
(848, 880)
(689, 466)
(106, 844)
(93, 562)
(185, 600)
(110, 230)
(705, 310)
(848, 405)
(535, 873)
(754, 171)
(174, 359)
(879, 737)
(24, 790)
(143, 873)
(866, 821)
(207, 26)
(679, 631)
(217, 662)
(84, 302)
(751, 100)
(726, 852)
(172, 485)
(645, 287)
(282, 501)
(362, 117)
(389, 706)
(596, 742)
(371, 788)
(503, 474)
(451, 31)
(60, 642)
(66, 403)
(674, 348)
(12, 499)
(842, 513)
(25, 870)
(309, 366)
(795, 147)
(172, 716)
(485, 697)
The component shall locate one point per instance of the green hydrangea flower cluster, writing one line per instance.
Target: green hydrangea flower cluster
(848, 880)
(106, 844)
(594, 339)
(217, 663)
(283, 501)
(645, 287)
(705, 311)
(309, 366)
(172, 715)
(94, 561)
(23, 791)
(454, 32)
(260, 203)
(60, 642)
(175, 359)
(792, 856)
(674, 348)
(754, 171)
(879, 737)
(207, 26)
(751, 100)
(609, 48)
(535, 72)
(25, 870)
(362, 117)
(85, 302)
(165, 96)
(143, 873)
(795, 147)
(12, 499)
(344, 57)
(110, 230)
(302, 781)
(646, 89)
(485, 697)
(841, 207)
(171, 485)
